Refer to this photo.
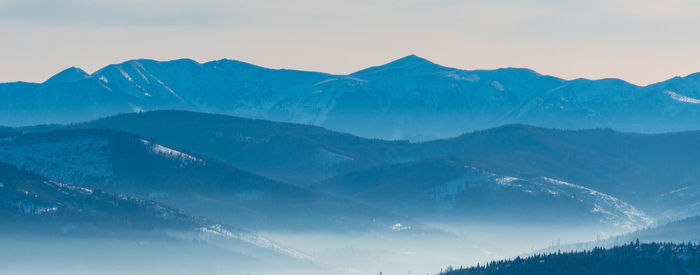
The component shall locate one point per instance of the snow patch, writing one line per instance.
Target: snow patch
(124, 74)
(498, 86)
(682, 98)
(399, 227)
(170, 153)
(33, 209)
(324, 81)
(614, 210)
(354, 79)
(460, 76)
(137, 109)
(680, 192)
(506, 180)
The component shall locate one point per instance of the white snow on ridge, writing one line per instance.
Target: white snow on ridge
(400, 227)
(682, 98)
(171, 153)
(324, 81)
(506, 180)
(70, 187)
(608, 209)
(680, 192)
(615, 211)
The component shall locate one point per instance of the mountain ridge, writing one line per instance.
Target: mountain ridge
(401, 59)
(634, 167)
(409, 98)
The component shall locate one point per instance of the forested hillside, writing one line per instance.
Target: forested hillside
(632, 258)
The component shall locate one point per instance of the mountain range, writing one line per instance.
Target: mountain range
(597, 176)
(267, 166)
(410, 98)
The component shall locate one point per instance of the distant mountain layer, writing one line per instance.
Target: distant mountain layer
(608, 175)
(633, 258)
(410, 98)
(124, 163)
(655, 172)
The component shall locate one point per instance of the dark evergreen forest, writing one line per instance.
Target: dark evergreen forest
(632, 258)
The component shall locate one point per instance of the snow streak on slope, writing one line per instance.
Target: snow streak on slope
(611, 210)
(614, 210)
(171, 153)
(682, 98)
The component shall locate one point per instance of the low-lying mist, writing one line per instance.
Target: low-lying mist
(427, 252)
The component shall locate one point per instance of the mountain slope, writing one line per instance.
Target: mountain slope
(449, 190)
(410, 98)
(637, 168)
(34, 209)
(30, 198)
(124, 163)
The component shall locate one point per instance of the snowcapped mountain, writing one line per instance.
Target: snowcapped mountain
(448, 190)
(410, 98)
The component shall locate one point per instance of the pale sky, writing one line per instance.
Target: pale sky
(641, 41)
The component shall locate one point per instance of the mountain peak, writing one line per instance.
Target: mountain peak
(71, 74)
(408, 62)
(411, 59)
